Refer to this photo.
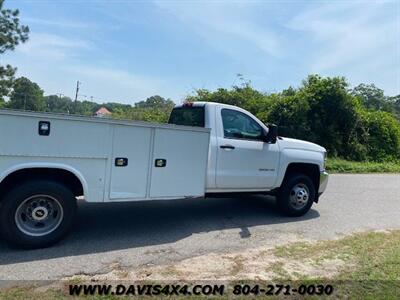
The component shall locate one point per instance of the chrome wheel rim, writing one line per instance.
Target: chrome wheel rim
(39, 215)
(299, 196)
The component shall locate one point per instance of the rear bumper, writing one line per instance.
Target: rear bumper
(323, 182)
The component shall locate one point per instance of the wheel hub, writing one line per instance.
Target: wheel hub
(299, 196)
(40, 213)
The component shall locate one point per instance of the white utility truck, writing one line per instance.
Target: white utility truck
(47, 161)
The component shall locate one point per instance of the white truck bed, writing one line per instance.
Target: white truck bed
(89, 146)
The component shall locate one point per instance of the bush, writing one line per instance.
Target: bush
(382, 138)
(291, 115)
(323, 111)
(337, 165)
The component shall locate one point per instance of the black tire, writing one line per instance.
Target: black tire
(65, 202)
(291, 183)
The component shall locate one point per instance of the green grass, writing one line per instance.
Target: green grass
(22, 293)
(371, 269)
(337, 165)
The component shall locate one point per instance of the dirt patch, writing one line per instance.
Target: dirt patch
(296, 259)
(327, 268)
(252, 264)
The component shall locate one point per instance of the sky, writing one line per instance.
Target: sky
(126, 51)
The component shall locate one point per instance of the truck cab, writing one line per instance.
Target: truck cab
(245, 155)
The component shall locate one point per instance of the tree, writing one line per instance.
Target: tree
(113, 106)
(291, 115)
(155, 102)
(27, 95)
(382, 138)
(243, 95)
(372, 97)
(11, 34)
(58, 104)
(395, 103)
(322, 110)
(154, 109)
(6, 81)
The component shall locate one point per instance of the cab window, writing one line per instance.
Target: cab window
(238, 125)
(187, 116)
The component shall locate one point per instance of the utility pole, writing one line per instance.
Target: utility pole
(76, 95)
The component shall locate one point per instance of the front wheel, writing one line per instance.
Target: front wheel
(296, 195)
(37, 214)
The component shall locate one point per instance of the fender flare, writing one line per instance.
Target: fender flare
(46, 165)
(297, 156)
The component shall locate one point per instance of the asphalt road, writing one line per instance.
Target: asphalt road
(137, 234)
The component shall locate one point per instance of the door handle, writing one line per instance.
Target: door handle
(121, 162)
(227, 147)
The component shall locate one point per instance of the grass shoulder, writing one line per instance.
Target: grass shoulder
(370, 263)
(338, 165)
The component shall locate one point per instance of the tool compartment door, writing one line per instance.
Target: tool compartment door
(131, 144)
(179, 163)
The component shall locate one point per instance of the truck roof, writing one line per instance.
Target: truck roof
(47, 115)
(205, 103)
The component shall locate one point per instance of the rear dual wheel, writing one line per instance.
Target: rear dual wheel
(37, 214)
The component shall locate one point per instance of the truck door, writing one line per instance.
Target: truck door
(244, 160)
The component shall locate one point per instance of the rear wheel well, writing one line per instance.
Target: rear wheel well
(64, 177)
(311, 170)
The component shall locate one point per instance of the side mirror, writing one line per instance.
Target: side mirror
(272, 134)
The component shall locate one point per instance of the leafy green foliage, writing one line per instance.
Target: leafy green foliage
(6, 80)
(58, 104)
(373, 98)
(338, 165)
(322, 110)
(155, 102)
(27, 95)
(243, 95)
(11, 34)
(153, 109)
(382, 138)
(291, 114)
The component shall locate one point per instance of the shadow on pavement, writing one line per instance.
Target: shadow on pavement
(116, 226)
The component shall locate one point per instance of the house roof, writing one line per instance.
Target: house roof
(102, 111)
